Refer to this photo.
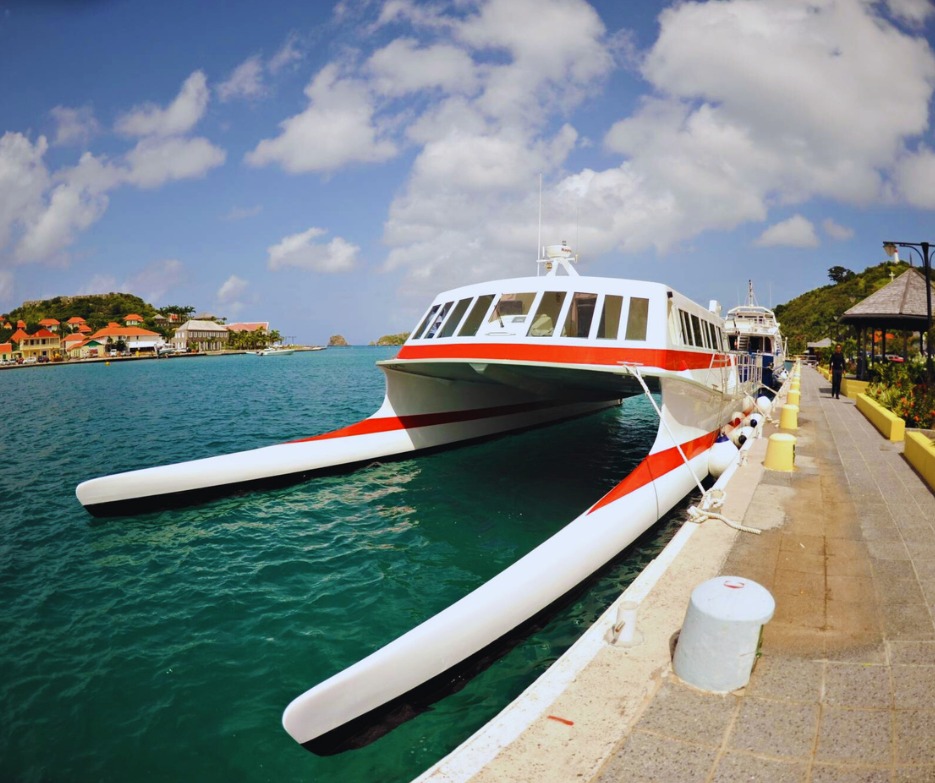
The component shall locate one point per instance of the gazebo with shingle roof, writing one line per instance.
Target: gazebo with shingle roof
(899, 305)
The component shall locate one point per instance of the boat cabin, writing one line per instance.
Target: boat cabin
(569, 311)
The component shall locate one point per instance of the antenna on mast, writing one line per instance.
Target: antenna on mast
(539, 237)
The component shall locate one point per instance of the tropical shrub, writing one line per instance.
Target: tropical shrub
(902, 389)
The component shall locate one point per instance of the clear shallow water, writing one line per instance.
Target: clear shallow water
(164, 647)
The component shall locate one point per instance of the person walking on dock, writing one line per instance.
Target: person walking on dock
(837, 372)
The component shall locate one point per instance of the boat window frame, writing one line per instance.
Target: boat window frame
(454, 318)
(423, 324)
(439, 320)
(570, 310)
(480, 310)
(712, 330)
(600, 320)
(539, 312)
(496, 316)
(687, 338)
(642, 314)
(696, 326)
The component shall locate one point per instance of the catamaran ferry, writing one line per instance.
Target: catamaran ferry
(484, 360)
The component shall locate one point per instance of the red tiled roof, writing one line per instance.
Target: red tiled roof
(248, 326)
(84, 329)
(21, 324)
(19, 335)
(43, 333)
(116, 330)
(75, 319)
(133, 317)
(49, 322)
(6, 347)
(74, 338)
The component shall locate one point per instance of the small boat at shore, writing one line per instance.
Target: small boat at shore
(484, 360)
(275, 352)
(754, 330)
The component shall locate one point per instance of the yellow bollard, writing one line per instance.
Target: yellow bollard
(796, 384)
(780, 452)
(789, 417)
(793, 397)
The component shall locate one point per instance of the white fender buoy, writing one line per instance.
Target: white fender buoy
(736, 418)
(745, 434)
(764, 404)
(754, 420)
(721, 455)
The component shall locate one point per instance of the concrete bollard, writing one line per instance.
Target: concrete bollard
(795, 385)
(718, 643)
(780, 452)
(793, 397)
(789, 417)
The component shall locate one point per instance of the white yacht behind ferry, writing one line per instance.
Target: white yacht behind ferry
(487, 359)
(753, 329)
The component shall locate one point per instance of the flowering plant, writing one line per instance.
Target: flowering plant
(902, 389)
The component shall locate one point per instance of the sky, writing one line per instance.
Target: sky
(329, 167)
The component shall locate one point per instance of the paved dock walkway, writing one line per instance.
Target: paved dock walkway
(845, 688)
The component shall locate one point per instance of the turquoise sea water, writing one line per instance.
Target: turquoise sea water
(164, 647)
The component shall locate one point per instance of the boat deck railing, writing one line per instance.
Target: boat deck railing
(749, 369)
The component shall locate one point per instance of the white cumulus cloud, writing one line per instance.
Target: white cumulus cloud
(336, 129)
(178, 117)
(155, 161)
(835, 230)
(232, 288)
(301, 251)
(155, 280)
(74, 125)
(797, 231)
(246, 81)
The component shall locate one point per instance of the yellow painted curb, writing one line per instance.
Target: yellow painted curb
(793, 397)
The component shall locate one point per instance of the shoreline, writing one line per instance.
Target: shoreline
(146, 357)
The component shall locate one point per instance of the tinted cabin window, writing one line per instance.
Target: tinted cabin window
(696, 323)
(476, 316)
(687, 338)
(455, 318)
(609, 324)
(637, 318)
(437, 321)
(514, 307)
(712, 331)
(543, 323)
(580, 315)
(425, 322)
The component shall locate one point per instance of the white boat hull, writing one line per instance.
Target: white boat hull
(418, 413)
(358, 704)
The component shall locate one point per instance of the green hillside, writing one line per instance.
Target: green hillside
(814, 315)
(98, 310)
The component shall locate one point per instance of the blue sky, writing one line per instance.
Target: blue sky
(329, 167)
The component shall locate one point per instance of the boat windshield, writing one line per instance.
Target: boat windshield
(512, 307)
(580, 315)
(543, 323)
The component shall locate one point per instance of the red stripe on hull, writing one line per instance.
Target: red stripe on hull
(655, 466)
(565, 354)
(390, 423)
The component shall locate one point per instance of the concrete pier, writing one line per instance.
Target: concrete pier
(844, 688)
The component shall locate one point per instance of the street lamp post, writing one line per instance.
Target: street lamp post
(922, 249)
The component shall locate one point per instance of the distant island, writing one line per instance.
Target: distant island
(337, 341)
(392, 339)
